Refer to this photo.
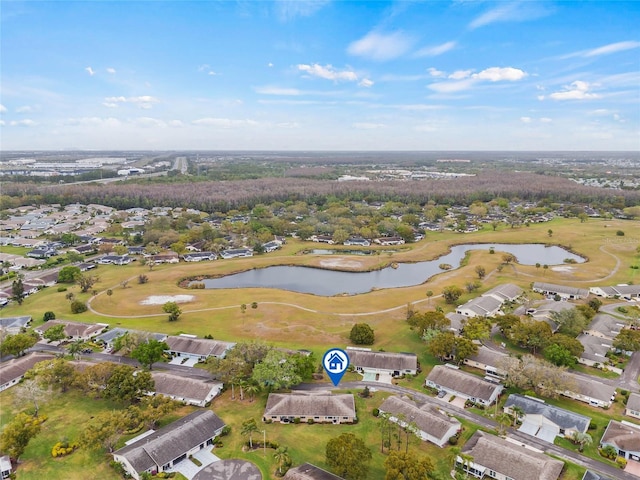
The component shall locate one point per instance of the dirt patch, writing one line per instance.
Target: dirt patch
(563, 269)
(341, 263)
(162, 299)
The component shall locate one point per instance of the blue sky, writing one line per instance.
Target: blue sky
(320, 75)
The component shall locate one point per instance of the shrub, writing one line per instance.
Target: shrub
(78, 307)
(310, 421)
(296, 420)
(453, 440)
(375, 412)
(48, 316)
(362, 334)
(593, 426)
(226, 430)
(196, 286)
(63, 289)
(61, 449)
(620, 233)
(621, 462)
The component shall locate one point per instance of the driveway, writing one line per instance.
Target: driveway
(230, 470)
(189, 469)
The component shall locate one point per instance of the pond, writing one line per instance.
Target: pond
(331, 282)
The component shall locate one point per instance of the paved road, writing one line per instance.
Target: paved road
(423, 398)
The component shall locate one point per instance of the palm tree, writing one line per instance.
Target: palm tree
(249, 427)
(75, 348)
(242, 383)
(467, 460)
(282, 456)
(583, 439)
(518, 414)
(504, 420)
(252, 388)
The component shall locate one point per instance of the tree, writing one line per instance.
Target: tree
(442, 345)
(476, 328)
(481, 272)
(570, 321)
(281, 456)
(463, 349)
(149, 352)
(17, 344)
(75, 348)
(128, 385)
(68, 274)
(173, 310)
(348, 456)
(104, 430)
(17, 291)
(559, 355)
(249, 427)
(55, 334)
(581, 438)
(94, 378)
(420, 322)
(277, 370)
(30, 391)
(518, 413)
(362, 334)
(78, 307)
(532, 334)
(16, 435)
(86, 281)
(452, 293)
(407, 466)
(56, 373)
(627, 340)
(507, 323)
(49, 315)
(573, 345)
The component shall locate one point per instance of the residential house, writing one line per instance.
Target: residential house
(387, 241)
(160, 451)
(200, 349)
(316, 408)
(626, 292)
(562, 291)
(592, 392)
(462, 384)
(170, 257)
(497, 458)
(595, 350)
(545, 421)
(308, 471)
(109, 336)
(42, 252)
(86, 249)
(590, 475)
(5, 467)
(73, 330)
(488, 360)
(428, 423)
(271, 246)
(357, 241)
(490, 303)
(199, 256)
(624, 437)
(374, 364)
(236, 253)
(135, 250)
(632, 409)
(322, 239)
(191, 391)
(13, 371)
(115, 260)
(13, 325)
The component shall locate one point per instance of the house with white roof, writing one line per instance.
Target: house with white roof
(462, 384)
(563, 291)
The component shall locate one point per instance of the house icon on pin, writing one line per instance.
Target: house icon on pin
(335, 362)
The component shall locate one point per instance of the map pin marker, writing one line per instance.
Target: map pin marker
(335, 363)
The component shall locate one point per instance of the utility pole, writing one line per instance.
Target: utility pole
(264, 443)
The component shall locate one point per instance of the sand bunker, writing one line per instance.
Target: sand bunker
(162, 299)
(563, 269)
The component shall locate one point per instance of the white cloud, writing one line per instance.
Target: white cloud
(90, 71)
(435, 50)
(452, 87)
(144, 101)
(578, 90)
(2, 108)
(24, 109)
(514, 11)
(497, 74)
(612, 48)
(425, 128)
(545, 120)
(206, 68)
(175, 123)
(365, 82)
(212, 73)
(328, 72)
(368, 126)
(2, 123)
(290, 9)
(111, 71)
(93, 122)
(270, 65)
(460, 74)
(291, 92)
(525, 119)
(223, 122)
(434, 72)
(381, 47)
(148, 122)
(23, 123)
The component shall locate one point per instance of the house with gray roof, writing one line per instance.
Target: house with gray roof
(161, 450)
(563, 291)
(595, 350)
(592, 392)
(606, 326)
(13, 371)
(591, 475)
(188, 346)
(191, 391)
(319, 408)
(632, 408)
(109, 336)
(494, 457)
(13, 325)
(490, 302)
(73, 330)
(627, 292)
(462, 384)
(308, 471)
(624, 437)
(368, 362)
(506, 292)
(428, 423)
(487, 360)
(545, 421)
